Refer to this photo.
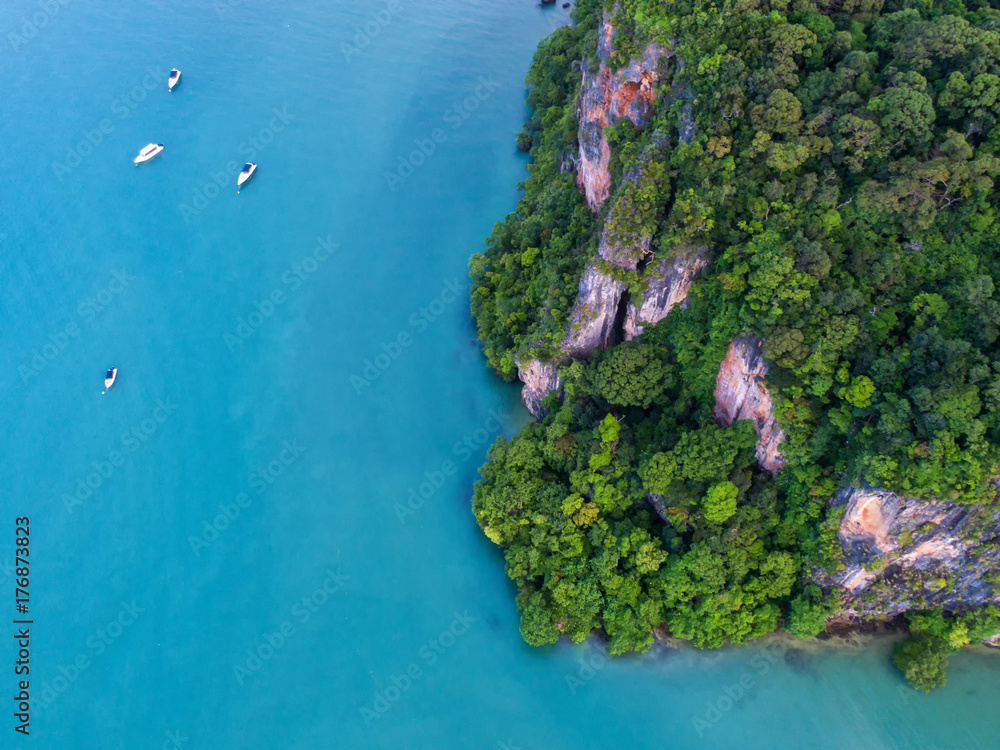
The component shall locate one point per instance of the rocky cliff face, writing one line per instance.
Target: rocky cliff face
(626, 240)
(623, 247)
(539, 381)
(606, 98)
(901, 553)
(592, 325)
(602, 311)
(669, 284)
(740, 393)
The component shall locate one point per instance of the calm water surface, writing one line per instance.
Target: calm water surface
(222, 548)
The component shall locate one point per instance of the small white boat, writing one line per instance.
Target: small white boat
(148, 152)
(245, 174)
(109, 379)
(175, 76)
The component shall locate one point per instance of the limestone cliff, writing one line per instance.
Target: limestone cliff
(596, 319)
(606, 98)
(539, 381)
(740, 393)
(668, 284)
(901, 553)
(592, 324)
(627, 236)
(625, 242)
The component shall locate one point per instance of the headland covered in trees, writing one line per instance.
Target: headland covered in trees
(750, 288)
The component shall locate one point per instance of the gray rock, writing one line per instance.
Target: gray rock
(902, 553)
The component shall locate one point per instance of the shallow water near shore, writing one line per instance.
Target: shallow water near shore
(261, 536)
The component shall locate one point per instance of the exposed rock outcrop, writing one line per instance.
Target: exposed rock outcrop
(740, 393)
(901, 553)
(625, 241)
(597, 317)
(539, 380)
(628, 231)
(623, 248)
(669, 283)
(592, 324)
(606, 98)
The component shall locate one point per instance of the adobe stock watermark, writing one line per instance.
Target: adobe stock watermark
(130, 442)
(121, 107)
(38, 20)
(379, 19)
(258, 481)
(735, 692)
(419, 322)
(96, 645)
(174, 739)
(249, 148)
(224, 8)
(455, 116)
(462, 450)
(6, 569)
(87, 311)
(291, 281)
(592, 660)
(427, 655)
(302, 611)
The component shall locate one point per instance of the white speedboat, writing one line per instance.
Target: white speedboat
(109, 379)
(245, 174)
(175, 76)
(148, 152)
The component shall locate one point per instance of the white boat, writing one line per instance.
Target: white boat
(247, 172)
(175, 76)
(148, 152)
(109, 379)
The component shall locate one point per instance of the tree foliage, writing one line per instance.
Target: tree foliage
(842, 170)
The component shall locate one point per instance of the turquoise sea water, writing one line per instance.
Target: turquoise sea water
(243, 570)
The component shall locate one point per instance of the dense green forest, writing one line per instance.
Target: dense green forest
(842, 173)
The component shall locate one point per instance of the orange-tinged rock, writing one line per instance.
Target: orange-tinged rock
(740, 393)
(607, 97)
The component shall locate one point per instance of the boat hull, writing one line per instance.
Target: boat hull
(244, 176)
(145, 155)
